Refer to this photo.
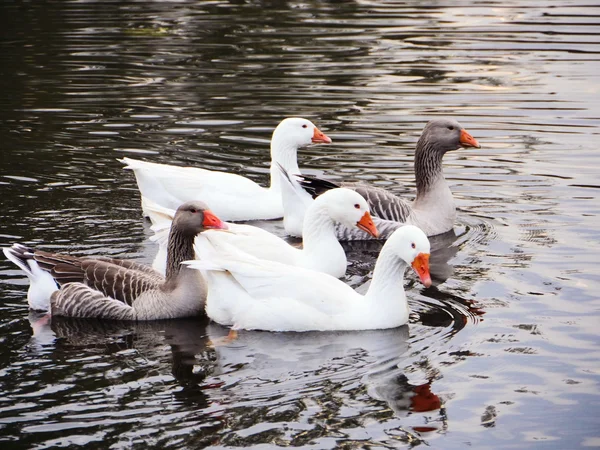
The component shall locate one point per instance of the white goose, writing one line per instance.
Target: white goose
(433, 209)
(232, 197)
(321, 250)
(248, 293)
(108, 288)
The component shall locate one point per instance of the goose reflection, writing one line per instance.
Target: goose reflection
(272, 355)
(266, 360)
(191, 357)
(256, 365)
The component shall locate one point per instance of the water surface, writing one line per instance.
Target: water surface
(502, 353)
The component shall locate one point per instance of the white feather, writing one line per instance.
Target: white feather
(250, 293)
(41, 283)
(230, 196)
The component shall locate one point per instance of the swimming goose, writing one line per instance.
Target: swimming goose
(321, 250)
(433, 209)
(232, 197)
(108, 288)
(297, 201)
(248, 293)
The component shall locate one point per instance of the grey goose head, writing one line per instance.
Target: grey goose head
(445, 135)
(193, 217)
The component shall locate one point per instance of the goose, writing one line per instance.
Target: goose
(297, 202)
(321, 250)
(107, 288)
(433, 209)
(232, 197)
(248, 293)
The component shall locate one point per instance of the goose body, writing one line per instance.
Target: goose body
(433, 209)
(321, 250)
(247, 293)
(232, 197)
(109, 288)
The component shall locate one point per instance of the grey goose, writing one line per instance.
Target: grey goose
(433, 209)
(109, 288)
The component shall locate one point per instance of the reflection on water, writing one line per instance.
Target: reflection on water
(501, 352)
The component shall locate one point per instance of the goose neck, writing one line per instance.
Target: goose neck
(320, 243)
(180, 248)
(387, 284)
(286, 154)
(317, 226)
(428, 166)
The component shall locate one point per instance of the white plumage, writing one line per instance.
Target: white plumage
(248, 293)
(231, 197)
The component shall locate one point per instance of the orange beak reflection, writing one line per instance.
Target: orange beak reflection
(466, 140)
(212, 221)
(421, 266)
(366, 224)
(320, 138)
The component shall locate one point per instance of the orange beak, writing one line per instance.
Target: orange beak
(366, 224)
(212, 221)
(466, 140)
(320, 138)
(421, 266)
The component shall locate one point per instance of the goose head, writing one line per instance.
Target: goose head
(193, 217)
(298, 132)
(411, 245)
(349, 208)
(445, 135)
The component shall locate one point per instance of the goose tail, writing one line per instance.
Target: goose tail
(41, 283)
(160, 216)
(315, 186)
(204, 265)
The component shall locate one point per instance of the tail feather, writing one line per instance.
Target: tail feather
(158, 215)
(19, 255)
(203, 264)
(41, 283)
(315, 186)
(161, 235)
(126, 162)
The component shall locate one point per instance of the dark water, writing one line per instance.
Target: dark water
(503, 353)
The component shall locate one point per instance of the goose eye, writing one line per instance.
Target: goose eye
(413, 245)
(193, 210)
(357, 206)
(304, 126)
(451, 128)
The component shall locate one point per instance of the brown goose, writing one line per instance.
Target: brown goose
(108, 288)
(433, 209)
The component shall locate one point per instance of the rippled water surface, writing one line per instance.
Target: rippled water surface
(502, 353)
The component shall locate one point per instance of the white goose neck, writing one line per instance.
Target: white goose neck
(386, 291)
(320, 244)
(284, 153)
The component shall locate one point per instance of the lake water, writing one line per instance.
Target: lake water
(502, 353)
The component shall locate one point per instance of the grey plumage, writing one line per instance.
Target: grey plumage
(438, 137)
(80, 300)
(384, 204)
(102, 287)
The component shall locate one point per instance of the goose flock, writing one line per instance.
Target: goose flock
(244, 277)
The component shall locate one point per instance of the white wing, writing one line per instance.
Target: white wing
(230, 196)
(273, 296)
